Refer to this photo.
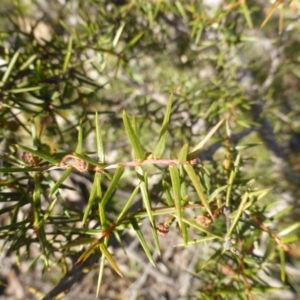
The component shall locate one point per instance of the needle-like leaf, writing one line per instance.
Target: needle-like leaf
(191, 172)
(139, 153)
(161, 144)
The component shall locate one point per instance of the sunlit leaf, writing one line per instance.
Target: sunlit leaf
(60, 181)
(176, 192)
(191, 172)
(80, 139)
(161, 144)
(136, 145)
(142, 240)
(197, 149)
(183, 153)
(99, 141)
(113, 185)
(110, 259)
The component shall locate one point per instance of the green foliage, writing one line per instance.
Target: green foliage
(172, 118)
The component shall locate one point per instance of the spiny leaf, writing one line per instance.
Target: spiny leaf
(113, 185)
(100, 276)
(62, 178)
(232, 176)
(99, 141)
(176, 192)
(145, 195)
(80, 139)
(28, 61)
(9, 68)
(134, 40)
(128, 203)
(142, 240)
(156, 240)
(247, 14)
(197, 241)
(166, 188)
(197, 149)
(191, 172)
(289, 229)
(238, 213)
(118, 34)
(270, 13)
(47, 213)
(68, 55)
(92, 198)
(161, 144)
(110, 259)
(135, 143)
(183, 153)
(87, 253)
(36, 199)
(282, 264)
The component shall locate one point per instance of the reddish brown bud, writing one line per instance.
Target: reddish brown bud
(162, 229)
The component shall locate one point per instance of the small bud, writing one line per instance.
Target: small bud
(204, 221)
(75, 162)
(80, 165)
(162, 229)
(227, 270)
(226, 164)
(30, 159)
